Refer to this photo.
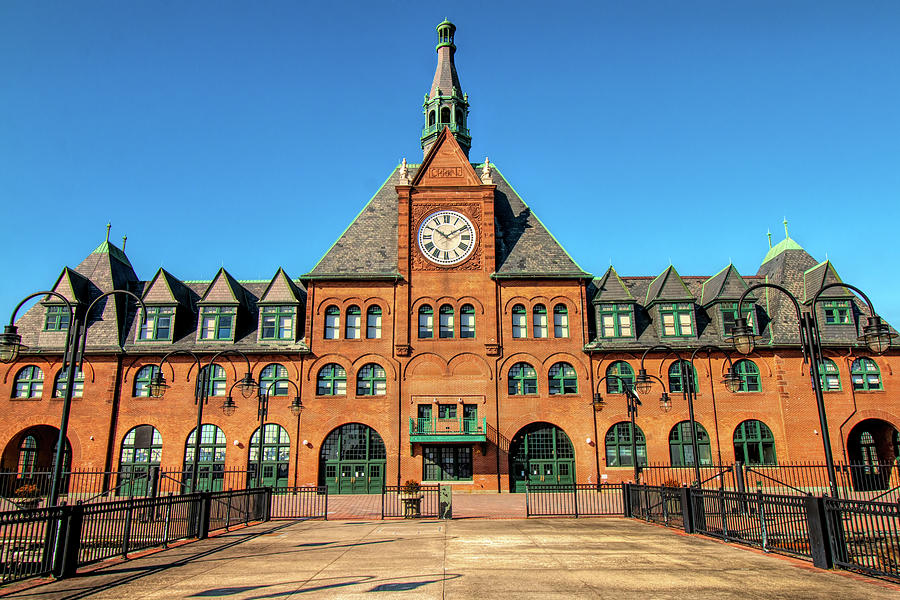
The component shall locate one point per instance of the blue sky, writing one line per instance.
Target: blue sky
(249, 134)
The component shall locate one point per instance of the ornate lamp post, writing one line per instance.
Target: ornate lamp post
(876, 335)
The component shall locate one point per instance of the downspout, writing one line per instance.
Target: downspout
(497, 299)
(712, 389)
(113, 423)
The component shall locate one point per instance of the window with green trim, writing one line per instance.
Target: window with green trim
(277, 322)
(675, 377)
(677, 319)
(29, 382)
(619, 375)
(865, 374)
(616, 320)
(467, 321)
(352, 329)
(371, 380)
(837, 312)
(749, 374)
(270, 375)
(332, 323)
(426, 322)
(539, 320)
(560, 321)
(729, 312)
(754, 443)
(331, 381)
(157, 324)
(445, 321)
(618, 445)
(829, 376)
(217, 322)
(446, 411)
(59, 384)
(522, 379)
(519, 321)
(563, 379)
(373, 323)
(142, 381)
(681, 447)
(57, 318)
(215, 380)
(28, 452)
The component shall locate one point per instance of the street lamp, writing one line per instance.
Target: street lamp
(73, 357)
(876, 335)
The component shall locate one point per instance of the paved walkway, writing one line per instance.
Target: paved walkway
(469, 558)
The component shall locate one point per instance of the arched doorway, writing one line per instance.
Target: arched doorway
(211, 466)
(276, 452)
(28, 460)
(141, 451)
(872, 450)
(353, 460)
(541, 453)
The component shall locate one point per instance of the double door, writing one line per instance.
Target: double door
(354, 477)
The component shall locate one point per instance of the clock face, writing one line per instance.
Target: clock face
(446, 237)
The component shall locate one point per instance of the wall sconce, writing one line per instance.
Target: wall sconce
(589, 442)
(307, 443)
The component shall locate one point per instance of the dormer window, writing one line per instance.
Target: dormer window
(837, 312)
(729, 312)
(616, 320)
(57, 318)
(157, 325)
(217, 322)
(277, 322)
(677, 319)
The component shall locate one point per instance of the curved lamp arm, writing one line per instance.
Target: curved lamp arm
(90, 308)
(11, 341)
(876, 334)
(158, 385)
(247, 384)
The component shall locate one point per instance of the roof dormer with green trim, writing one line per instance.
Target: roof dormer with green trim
(445, 104)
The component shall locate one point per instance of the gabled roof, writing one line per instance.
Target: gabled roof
(165, 288)
(668, 286)
(611, 288)
(727, 284)
(445, 163)
(786, 244)
(223, 289)
(113, 251)
(281, 290)
(73, 285)
(819, 276)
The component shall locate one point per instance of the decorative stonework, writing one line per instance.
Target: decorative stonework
(492, 349)
(419, 211)
(402, 349)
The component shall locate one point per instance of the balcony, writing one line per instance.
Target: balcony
(437, 127)
(448, 430)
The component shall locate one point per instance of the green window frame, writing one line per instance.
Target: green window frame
(373, 323)
(681, 448)
(332, 322)
(560, 321)
(28, 453)
(446, 411)
(445, 321)
(622, 375)
(539, 321)
(837, 312)
(519, 321)
(157, 324)
(59, 384)
(142, 380)
(217, 323)
(675, 386)
(467, 321)
(277, 322)
(57, 318)
(618, 445)
(269, 375)
(729, 312)
(446, 463)
(616, 320)
(215, 380)
(426, 322)
(754, 443)
(522, 379)
(829, 376)
(371, 380)
(749, 374)
(677, 319)
(562, 379)
(331, 380)
(865, 376)
(353, 323)
(29, 382)
(141, 447)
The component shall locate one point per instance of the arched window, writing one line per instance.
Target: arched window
(522, 379)
(619, 375)
(211, 466)
(618, 445)
(829, 376)
(563, 379)
(446, 321)
(431, 118)
(445, 115)
(749, 374)
(460, 119)
(332, 380)
(29, 382)
(539, 320)
(142, 380)
(681, 449)
(467, 321)
(560, 321)
(519, 323)
(332, 322)
(675, 369)
(754, 443)
(354, 318)
(215, 380)
(141, 449)
(864, 374)
(59, 384)
(268, 376)
(28, 452)
(276, 451)
(373, 323)
(371, 380)
(426, 321)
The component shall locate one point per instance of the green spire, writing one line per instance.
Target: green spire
(108, 247)
(786, 244)
(445, 104)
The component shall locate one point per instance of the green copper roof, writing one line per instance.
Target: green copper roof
(108, 248)
(785, 244)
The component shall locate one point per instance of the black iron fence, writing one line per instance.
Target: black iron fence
(660, 504)
(574, 500)
(24, 535)
(865, 535)
(309, 502)
(397, 502)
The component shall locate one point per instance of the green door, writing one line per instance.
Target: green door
(275, 456)
(211, 466)
(353, 460)
(141, 450)
(470, 418)
(541, 454)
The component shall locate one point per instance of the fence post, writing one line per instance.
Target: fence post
(723, 514)
(739, 480)
(153, 482)
(204, 507)
(687, 515)
(129, 515)
(575, 493)
(68, 541)
(267, 507)
(168, 521)
(527, 502)
(626, 499)
(817, 527)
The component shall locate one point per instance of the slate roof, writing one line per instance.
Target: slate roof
(611, 288)
(668, 286)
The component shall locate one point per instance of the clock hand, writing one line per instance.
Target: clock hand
(452, 233)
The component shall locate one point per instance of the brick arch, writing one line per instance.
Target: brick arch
(20, 364)
(289, 363)
(473, 301)
(313, 369)
(414, 307)
(573, 306)
(425, 357)
(330, 425)
(383, 304)
(604, 362)
(524, 420)
(507, 308)
(325, 303)
(869, 413)
(25, 422)
(508, 362)
(381, 361)
(467, 356)
(564, 357)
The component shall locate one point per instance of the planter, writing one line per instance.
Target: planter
(412, 505)
(27, 503)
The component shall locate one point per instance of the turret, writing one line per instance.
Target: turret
(445, 104)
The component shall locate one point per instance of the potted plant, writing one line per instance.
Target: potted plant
(411, 496)
(28, 495)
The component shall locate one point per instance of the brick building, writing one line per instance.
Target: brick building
(445, 336)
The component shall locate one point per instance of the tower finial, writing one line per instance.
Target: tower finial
(108, 227)
(124, 240)
(785, 229)
(445, 104)
(769, 235)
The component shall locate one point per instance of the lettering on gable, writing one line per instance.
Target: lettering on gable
(444, 172)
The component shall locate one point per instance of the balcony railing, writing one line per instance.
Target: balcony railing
(454, 128)
(448, 430)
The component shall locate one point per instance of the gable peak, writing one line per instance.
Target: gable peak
(446, 163)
